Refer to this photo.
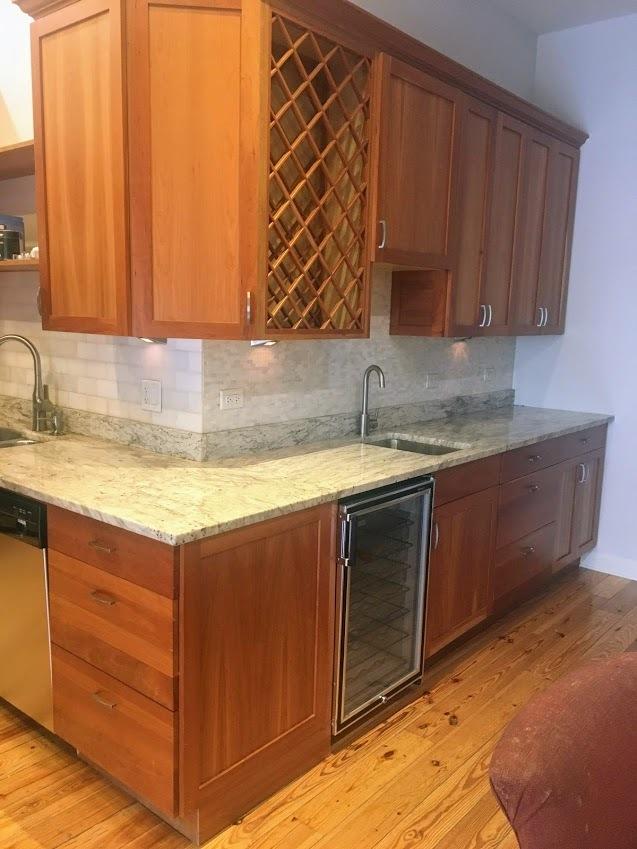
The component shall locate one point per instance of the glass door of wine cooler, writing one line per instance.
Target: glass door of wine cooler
(384, 545)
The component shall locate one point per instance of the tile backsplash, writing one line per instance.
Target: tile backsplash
(288, 382)
(297, 380)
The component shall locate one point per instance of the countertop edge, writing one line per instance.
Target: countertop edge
(429, 466)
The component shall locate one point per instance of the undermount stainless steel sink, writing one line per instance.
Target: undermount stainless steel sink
(9, 438)
(399, 444)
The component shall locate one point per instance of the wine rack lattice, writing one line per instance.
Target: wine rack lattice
(319, 152)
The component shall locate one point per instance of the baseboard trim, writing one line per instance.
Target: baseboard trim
(621, 567)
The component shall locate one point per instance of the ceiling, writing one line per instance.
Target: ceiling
(547, 15)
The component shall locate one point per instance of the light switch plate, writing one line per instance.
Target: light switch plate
(151, 395)
(231, 399)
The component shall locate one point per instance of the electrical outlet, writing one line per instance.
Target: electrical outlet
(488, 375)
(230, 399)
(151, 395)
(432, 380)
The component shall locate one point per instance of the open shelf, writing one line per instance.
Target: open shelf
(19, 265)
(17, 160)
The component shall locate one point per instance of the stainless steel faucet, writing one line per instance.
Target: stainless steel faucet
(43, 409)
(365, 411)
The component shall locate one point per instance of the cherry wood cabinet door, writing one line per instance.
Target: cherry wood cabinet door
(193, 120)
(588, 497)
(460, 567)
(558, 236)
(578, 512)
(504, 226)
(527, 270)
(257, 660)
(476, 161)
(419, 143)
(80, 169)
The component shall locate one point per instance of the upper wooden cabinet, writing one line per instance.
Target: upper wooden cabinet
(231, 169)
(477, 157)
(80, 168)
(419, 118)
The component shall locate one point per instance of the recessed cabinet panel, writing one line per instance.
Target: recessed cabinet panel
(557, 237)
(186, 94)
(79, 132)
(504, 224)
(420, 122)
(528, 260)
(194, 160)
(476, 172)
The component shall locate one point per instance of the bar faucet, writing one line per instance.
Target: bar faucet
(365, 411)
(43, 409)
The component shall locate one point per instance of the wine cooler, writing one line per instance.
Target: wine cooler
(383, 556)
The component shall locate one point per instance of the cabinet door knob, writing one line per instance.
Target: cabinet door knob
(535, 458)
(533, 487)
(528, 551)
(383, 234)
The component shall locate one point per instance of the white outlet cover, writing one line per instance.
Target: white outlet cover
(231, 399)
(151, 395)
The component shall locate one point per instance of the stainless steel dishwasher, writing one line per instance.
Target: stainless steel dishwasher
(384, 553)
(25, 650)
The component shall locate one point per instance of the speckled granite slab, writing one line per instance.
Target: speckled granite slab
(177, 501)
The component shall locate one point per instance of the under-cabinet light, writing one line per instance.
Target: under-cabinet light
(262, 343)
(153, 341)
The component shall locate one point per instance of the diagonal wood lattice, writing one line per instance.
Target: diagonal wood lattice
(319, 152)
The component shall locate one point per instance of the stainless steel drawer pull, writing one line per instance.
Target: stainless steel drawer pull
(103, 701)
(483, 315)
(535, 458)
(436, 535)
(101, 546)
(103, 598)
(585, 440)
(582, 473)
(534, 487)
(383, 238)
(527, 552)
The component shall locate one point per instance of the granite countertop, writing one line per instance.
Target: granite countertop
(177, 501)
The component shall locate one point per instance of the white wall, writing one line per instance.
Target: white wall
(473, 32)
(16, 114)
(589, 76)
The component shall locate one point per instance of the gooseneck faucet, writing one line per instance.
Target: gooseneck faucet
(365, 411)
(42, 407)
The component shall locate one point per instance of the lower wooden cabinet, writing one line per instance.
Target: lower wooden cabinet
(257, 607)
(578, 514)
(459, 587)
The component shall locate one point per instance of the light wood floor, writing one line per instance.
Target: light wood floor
(418, 781)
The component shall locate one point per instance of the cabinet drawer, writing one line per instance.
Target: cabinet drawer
(127, 735)
(523, 560)
(584, 441)
(461, 481)
(527, 504)
(135, 558)
(123, 629)
(541, 455)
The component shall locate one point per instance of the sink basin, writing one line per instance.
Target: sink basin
(398, 444)
(9, 438)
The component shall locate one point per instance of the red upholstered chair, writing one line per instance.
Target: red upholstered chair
(565, 770)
